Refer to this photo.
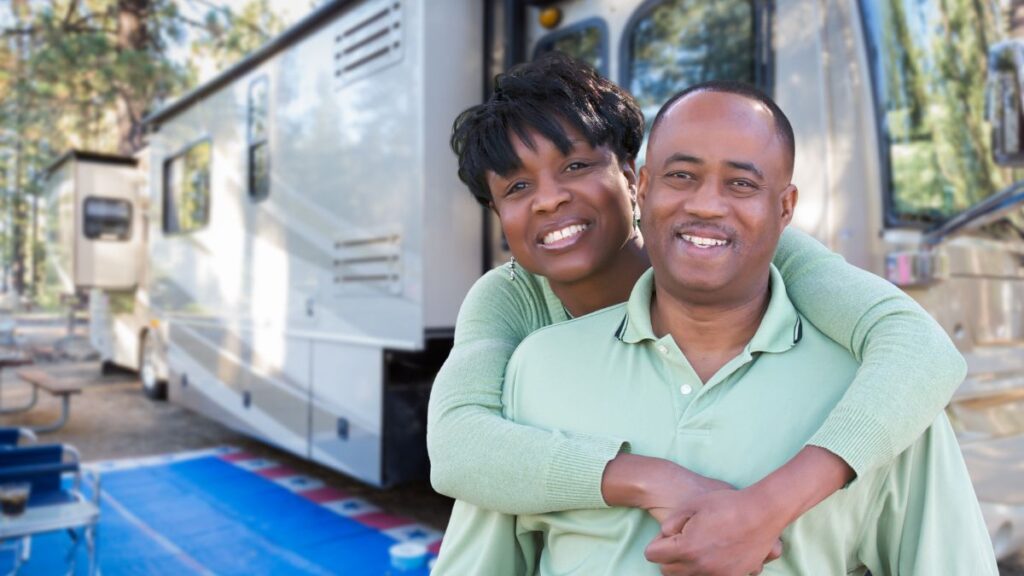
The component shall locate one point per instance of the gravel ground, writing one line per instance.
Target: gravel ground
(113, 419)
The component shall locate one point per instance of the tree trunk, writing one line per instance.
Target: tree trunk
(132, 36)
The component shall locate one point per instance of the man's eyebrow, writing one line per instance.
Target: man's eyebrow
(680, 157)
(747, 166)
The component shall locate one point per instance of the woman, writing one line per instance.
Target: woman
(553, 153)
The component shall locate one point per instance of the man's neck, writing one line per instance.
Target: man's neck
(607, 287)
(708, 334)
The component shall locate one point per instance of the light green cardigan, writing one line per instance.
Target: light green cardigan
(909, 370)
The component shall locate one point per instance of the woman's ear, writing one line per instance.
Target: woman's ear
(629, 171)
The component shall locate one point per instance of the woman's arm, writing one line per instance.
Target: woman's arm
(478, 456)
(909, 367)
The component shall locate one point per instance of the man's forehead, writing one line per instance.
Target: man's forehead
(698, 119)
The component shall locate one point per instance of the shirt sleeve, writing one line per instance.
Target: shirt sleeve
(478, 456)
(926, 519)
(909, 367)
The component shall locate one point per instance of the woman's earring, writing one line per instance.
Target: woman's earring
(636, 216)
(512, 269)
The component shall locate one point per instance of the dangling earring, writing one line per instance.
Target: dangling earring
(636, 216)
(512, 269)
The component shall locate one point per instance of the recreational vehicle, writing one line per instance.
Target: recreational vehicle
(309, 243)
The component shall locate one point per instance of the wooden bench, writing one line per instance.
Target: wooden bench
(64, 388)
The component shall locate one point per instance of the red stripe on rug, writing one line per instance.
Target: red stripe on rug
(381, 520)
(324, 494)
(276, 472)
(237, 456)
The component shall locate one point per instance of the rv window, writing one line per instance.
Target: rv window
(929, 67)
(107, 219)
(586, 40)
(259, 151)
(677, 43)
(187, 190)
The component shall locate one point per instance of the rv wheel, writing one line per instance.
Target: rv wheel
(152, 386)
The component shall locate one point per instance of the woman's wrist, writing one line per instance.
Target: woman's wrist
(635, 481)
(811, 476)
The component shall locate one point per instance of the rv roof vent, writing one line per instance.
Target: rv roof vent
(367, 40)
(368, 264)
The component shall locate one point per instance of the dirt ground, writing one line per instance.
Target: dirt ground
(112, 419)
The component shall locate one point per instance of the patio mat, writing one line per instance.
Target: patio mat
(223, 511)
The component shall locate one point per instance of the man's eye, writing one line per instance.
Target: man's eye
(744, 186)
(681, 176)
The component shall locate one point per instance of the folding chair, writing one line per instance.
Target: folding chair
(51, 505)
(9, 437)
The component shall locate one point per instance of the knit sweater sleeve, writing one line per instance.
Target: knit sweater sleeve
(909, 367)
(478, 456)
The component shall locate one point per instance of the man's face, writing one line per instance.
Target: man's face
(566, 217)
(714, 197)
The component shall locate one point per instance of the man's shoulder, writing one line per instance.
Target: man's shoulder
(582, 332)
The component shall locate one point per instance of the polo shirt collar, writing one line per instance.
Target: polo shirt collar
(780, 329)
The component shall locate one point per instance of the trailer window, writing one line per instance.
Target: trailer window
(258, 149)
(673, 44)
(187, 190)
(929, 66)
(107, 219)
(586, 41)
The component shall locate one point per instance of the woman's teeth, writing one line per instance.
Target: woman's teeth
(703, 242)
(563, 233)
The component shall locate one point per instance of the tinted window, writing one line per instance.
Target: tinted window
(929, 72)
(677, 43)
(258, 149)
(585, 41)
(187, 190)
(107, 219)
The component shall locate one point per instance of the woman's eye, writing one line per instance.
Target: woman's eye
(572, 167)
(515, 187)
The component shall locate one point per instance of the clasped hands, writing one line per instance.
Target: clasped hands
(708, 528)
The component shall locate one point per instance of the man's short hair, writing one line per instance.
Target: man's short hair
(783, 129)
(540, 96)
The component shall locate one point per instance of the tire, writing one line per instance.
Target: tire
(152, 387)
(107, 367)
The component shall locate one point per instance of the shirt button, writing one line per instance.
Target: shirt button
(662, 348)
(686, 389)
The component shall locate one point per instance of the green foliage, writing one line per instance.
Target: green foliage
(84, 73)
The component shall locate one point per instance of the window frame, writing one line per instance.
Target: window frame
(890, 218)
(167, 197)
(252, 144)
(85, 215)
(763, 12)
(545, 43)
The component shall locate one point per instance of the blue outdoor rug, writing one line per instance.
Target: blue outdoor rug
(226, 512)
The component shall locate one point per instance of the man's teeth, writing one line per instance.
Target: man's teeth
(703, 242)
(562, 234)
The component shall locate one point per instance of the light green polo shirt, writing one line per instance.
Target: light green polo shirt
(608, 373)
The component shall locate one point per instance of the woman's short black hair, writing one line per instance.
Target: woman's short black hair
(540, 96)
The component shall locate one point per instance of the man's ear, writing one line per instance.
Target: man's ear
(788, 198)
(643, 181)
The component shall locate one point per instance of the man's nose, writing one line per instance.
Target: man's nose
(550, 195)
(707, 201)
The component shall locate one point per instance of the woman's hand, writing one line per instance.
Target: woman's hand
(725, 532)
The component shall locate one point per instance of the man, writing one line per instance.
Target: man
(710, 365)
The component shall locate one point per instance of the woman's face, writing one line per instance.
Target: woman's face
(566, 217)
